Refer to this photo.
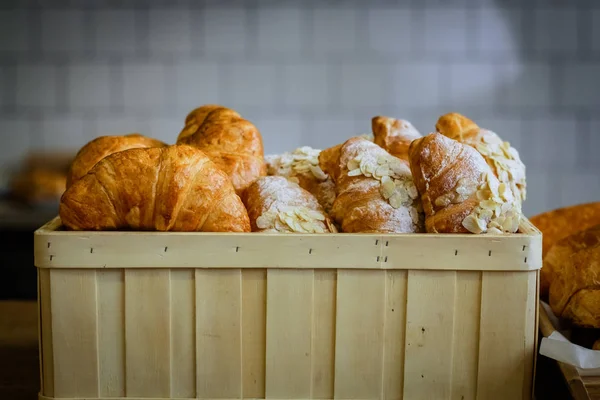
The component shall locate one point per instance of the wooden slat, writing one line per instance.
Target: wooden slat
(111, 333)
(183, 334)
(148, 328)
(254, 326)
(323, 337)
(393, 339)
(429, 334)
(289, 333)
(359, 334)
(47, 356)
(218, 333)
(503, 295)
(467, 306)
(531, 328)
(74, 333)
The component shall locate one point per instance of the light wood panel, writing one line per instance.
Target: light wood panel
(46, 343)
(147, 333)
(183, 334)
(254, 325)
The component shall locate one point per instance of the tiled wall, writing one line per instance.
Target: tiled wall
(311, 72)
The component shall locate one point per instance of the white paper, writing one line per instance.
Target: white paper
(558, 347)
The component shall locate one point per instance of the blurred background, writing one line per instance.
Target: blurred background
(305, 72)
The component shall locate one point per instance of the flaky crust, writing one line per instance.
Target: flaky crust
(575, 289)
(302, 167)
(231, 141)
(559, 224)
(503, 159)
(456, 185)
(103, 146)
(394, 135)
(375, 192)
(174, 188)
(276, 204)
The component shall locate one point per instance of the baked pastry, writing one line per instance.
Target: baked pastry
(575, 289)
(460, 194)
(103, 146)
(394, 135)
(503, 159)
(37, 185)
(276, 204)
(596, 345)
(558, 224)
(233, 143)
(302, 167)
(375, 191)
(174, 188)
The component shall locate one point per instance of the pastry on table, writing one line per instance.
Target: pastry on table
(276, 204)
(173, 188)
(558, 224)
(232, 142)
(394, 135)
(38, 185)
(503, 159)
(375, 191)
(575, 287)
(103, 146)
(302, 166)
(460, 194)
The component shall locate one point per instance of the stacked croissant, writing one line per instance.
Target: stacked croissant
(215, 178)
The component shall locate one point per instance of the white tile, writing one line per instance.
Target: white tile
(525, 85)
(365, 85)
(582, 87)
(280, 30)
(63, 133)
(16, 134)
(538, 192)
(445, 30)
(282, 133)
(253, 85)
(556, 29)
(415, 85)
(196, 84)
(334, 30)
(114, 30)
(499, 29)
(306, 85)
(473, 84)
(169, 30)
(390, 30)
(88, 85)
(36, 85)
(144, 86)
(328, 131)
(554, 143)
(116, 125)
(165, 129)
(63, 30)
(14, 34)
(594, 145)
(578, 187)
(596, 29)
(225, 30)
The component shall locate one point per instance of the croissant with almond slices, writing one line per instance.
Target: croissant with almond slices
(375, 191)
(394, 135)
(174, 188)
(460, 194)
(233, 143)
(103, 146)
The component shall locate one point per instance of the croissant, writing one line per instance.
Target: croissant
(103, 146)
(375, 191)
(460, 194)
(575, 289)
(233, 143)
(302, 166)
(276, 204)
(174, 188)
(394, 135)
(503, 159)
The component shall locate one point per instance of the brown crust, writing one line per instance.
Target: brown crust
(174, 188)
(103, 146)
(394, 135)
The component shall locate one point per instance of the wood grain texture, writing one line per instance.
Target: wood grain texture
(183, 334)
(394, 330)
(46, 343)
(254, 328)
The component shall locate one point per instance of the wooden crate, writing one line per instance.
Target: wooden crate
(582, 387)
(249, 315)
